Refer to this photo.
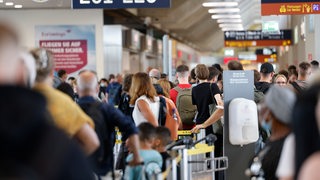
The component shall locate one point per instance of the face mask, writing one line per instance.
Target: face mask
(266, 125)
(102, 84)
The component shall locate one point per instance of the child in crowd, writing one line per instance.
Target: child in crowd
(163, 138)
(151, 158)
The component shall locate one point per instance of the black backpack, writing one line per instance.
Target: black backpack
(94, 110)
(162, 111)
(124, 104)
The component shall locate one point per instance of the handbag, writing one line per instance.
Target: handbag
(217, 126)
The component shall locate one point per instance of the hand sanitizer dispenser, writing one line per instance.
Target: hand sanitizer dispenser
(243, 122)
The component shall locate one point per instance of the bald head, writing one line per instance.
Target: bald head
(87, 83)
(10, 65)
(155, 75)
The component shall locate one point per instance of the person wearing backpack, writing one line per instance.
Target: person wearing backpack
(172, 118)
(181, 96)
(114, 89)
(204, 94)
(144, 99)
(106, 118)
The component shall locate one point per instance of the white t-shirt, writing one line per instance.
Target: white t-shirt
(287, 159)
(154, 106)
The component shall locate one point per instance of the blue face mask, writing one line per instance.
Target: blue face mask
(102, 84)
(266, 125)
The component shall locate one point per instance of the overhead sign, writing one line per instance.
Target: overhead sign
(271, 27)
(112, 4)
(256, 38)
(281, 7)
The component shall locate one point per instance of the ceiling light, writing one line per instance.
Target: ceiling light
(18, 6)
(39, 1)
(224, 10)
(227, 16)
(1, 1)
(230, 25)
(229, 20)
(9, 3)
(232, 29)
(220, 4)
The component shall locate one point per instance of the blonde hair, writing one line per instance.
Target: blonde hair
(44, 63)
(141, 85)
(280, 75)
(165, 84)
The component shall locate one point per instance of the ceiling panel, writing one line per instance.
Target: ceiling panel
(186, 20)
(36, 4)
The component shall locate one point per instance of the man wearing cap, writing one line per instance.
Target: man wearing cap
(275, 112)
(266, 72)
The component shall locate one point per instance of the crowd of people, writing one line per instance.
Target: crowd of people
(54, 126)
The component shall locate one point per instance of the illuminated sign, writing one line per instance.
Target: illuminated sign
(111, 4)
(271, 27)
(279, 7)
(256, 38)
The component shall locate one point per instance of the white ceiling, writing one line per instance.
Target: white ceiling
(186, 20)
(33, 4)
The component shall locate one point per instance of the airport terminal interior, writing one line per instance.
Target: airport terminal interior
(246, 72)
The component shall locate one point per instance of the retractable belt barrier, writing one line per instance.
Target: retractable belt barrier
(190, 159)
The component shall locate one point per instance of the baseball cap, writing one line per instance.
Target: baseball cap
(266, 68)
(280, 101)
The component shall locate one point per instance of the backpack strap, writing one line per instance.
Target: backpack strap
(178, 89)
(297, 87)
(162, 111)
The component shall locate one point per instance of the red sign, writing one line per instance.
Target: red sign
(227, 59)
(70, 55)
(286, 8)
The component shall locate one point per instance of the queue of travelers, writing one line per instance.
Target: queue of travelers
(59, 127)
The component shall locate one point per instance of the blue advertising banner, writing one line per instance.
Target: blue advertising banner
(113, 4)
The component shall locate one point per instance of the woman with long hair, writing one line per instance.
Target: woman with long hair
(145, 100)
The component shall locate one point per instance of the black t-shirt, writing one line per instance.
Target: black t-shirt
(262, 86)
(270, 159)
(201, 97)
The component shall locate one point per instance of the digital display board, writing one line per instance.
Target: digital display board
(257, 38)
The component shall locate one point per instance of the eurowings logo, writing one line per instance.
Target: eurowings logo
(55, 34)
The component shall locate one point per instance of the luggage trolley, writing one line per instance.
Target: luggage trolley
(193, 161)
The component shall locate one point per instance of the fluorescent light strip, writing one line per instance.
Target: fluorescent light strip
(18, 6)
(232, 29)
(220, 4)
(230, 25)
(229, 20)
(1, 1)
(222, 16)
(9, 3)
(224, 10)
